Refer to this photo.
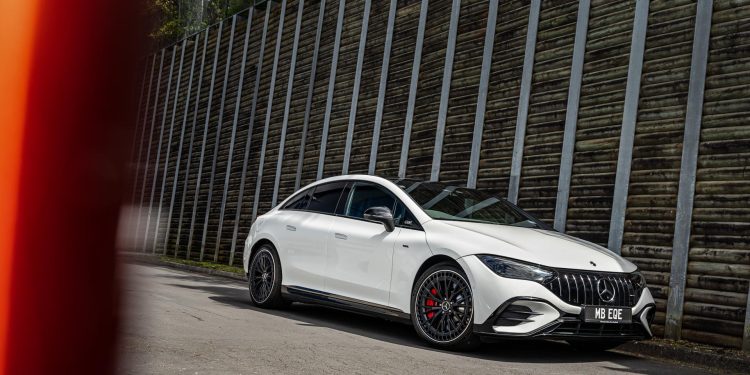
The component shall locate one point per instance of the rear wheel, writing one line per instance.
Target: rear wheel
(264, 278)
(442, 308)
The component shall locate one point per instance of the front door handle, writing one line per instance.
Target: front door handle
(291, 228)
(340, 236)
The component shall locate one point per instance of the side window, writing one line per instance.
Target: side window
(404, 218)
(325, 197)
(365, 196)
(299, 202)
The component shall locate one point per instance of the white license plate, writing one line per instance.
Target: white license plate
(605, 314)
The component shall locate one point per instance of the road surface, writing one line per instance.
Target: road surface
(184, 323)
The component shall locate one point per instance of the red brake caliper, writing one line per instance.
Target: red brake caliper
(430, 302)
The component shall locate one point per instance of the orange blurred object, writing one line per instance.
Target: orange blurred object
(66, 120)
(17, 20)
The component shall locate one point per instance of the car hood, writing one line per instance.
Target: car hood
(540, 246)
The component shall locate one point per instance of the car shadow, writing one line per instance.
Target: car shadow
(233, 293)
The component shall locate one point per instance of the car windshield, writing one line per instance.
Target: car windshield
(447, 202)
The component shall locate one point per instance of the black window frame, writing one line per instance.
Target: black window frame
(351, 189)
(344, 197)
(338, 200)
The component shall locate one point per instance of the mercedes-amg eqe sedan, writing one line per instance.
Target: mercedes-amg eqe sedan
(460, 264)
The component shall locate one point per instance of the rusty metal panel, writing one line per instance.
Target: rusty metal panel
(373, 87)
(215, 121)
(465, 89)
(397, 89)
(602, 99)
(547, 108)
(183, 221)
(341, 99)
(428, 93)
(184, 85)
(303, 82)
(237, 80)
(157, 162)
(201, 178)
(274, 115)
(314, 132)
(654, 175)
(238, 181)
(719, 243)
(493, 167)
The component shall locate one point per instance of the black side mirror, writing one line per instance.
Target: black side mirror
(381, 214)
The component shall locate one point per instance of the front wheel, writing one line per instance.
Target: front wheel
(442, 308)
(264, 278)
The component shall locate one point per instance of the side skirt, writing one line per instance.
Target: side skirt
(312, 296)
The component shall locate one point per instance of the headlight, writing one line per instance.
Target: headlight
(639, 282)
(516, 270)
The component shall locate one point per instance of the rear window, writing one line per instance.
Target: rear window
(299, 202)
(325, 197)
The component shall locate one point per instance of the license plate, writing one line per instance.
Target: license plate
(604, 314)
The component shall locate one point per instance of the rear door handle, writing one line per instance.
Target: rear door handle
(340, 236)
(291, 228)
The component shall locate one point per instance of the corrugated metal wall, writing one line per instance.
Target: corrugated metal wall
(218, 121)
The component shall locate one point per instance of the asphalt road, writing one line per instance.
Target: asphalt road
(177, 322)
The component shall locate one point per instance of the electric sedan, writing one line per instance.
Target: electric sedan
(461, 265)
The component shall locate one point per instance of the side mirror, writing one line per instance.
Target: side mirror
(381, 214)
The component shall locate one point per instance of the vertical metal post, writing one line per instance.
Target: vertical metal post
(249, 140)
(445, 91)
(627, 132)
(484, 83)
(205, 135)
(688, 167)
(141, 140)
(746, 331)
(382, 87)
(355, 90)
(137, 124)
(158, 149)
(523, 101)
(169, 148)
(413, 90)
(288, 103)
(571, 116)
(217, 138)
(331, 87)
(310, 91)
(179, 150)
(148, 148)
(237, 103)
(269, 107)
(192, 138)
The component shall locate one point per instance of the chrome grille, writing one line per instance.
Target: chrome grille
(582, 288)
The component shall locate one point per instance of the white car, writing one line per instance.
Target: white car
(460, 264)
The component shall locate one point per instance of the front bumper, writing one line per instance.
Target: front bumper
(512, 308)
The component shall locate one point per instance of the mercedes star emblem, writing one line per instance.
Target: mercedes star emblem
(606, 290)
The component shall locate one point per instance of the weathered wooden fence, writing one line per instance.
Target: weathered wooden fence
(625, 123)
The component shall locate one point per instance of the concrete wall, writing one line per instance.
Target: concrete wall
(624, 123)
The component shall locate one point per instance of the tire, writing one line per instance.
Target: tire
(594, 346)
(264, 278)
(442, 309)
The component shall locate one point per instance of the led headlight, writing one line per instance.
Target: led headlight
(515, 269)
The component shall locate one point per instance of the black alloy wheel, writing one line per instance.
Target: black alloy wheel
(443, 307)
(264, 278)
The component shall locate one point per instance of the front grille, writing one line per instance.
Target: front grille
(578, 328)
(583, 288)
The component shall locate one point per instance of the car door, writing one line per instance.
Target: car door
(305, 226)
(360, 252)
